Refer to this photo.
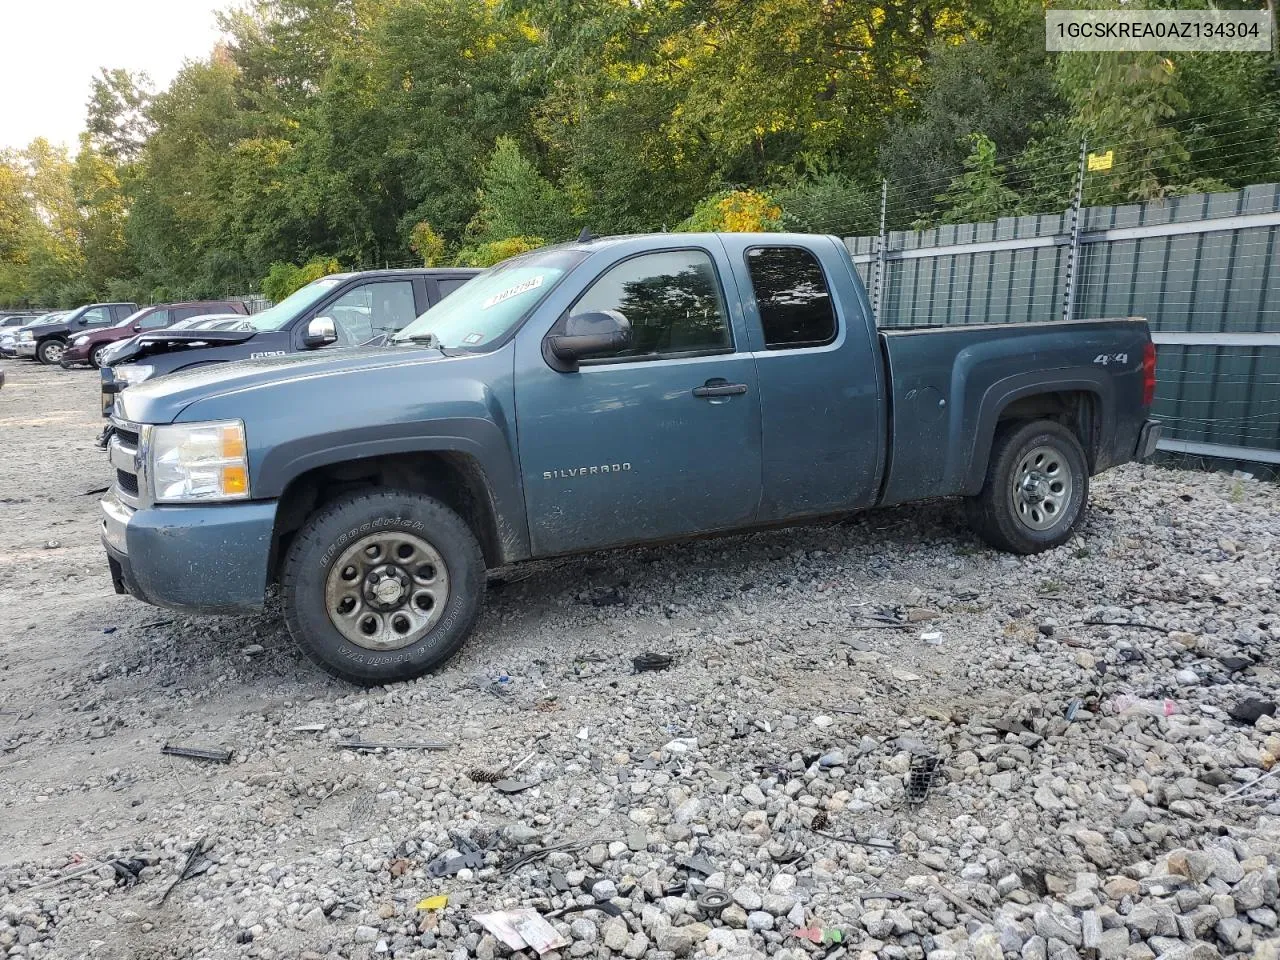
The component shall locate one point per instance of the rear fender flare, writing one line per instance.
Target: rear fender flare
(1004, 392)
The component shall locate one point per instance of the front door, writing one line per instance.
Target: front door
(659, 440)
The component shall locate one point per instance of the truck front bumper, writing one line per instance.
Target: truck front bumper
(1147, 440)
(208, 559)
(25, 348)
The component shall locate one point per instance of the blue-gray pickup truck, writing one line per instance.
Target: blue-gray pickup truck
(595, 394)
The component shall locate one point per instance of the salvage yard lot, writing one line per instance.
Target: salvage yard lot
(862, 642)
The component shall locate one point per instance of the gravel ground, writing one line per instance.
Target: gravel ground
(783, 759)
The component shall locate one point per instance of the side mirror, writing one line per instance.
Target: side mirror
(321, 332)
(587, 335)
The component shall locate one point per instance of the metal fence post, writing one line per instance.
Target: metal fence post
(1073, 251)
(882, 243)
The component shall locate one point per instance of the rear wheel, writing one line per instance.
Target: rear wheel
(384, 586)
(1036, 489)
(50, 351)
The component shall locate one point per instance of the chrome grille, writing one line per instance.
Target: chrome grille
(123, 453)
(127, 483)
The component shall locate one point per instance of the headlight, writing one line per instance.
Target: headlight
(80, 341)
(26, 335)
(132, 373)
(199, 461)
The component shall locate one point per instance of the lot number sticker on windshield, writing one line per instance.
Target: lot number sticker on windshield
(533, 283)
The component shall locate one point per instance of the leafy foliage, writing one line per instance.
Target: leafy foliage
(979, 193)
(284, 278)
(377, 132)
(734, 211)
(495, 251)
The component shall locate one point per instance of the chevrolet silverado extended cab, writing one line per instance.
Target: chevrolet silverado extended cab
(352, 309)
(589, 395)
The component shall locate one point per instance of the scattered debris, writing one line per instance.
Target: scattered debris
(1099, 622)
(697, 863)
(197, 753)
(522, 928)
(52, 544)
(510, 785)
(366, 745)
(1235, 664)
(819, 935)
(603, 906)
(1248, 711)
(127, 871)
(196, 864)
(1073, 708)
(533, 855)
(920, 777)
(310, 728)
(713, 902)
(481, 775)
(960, 902)
(1126, 704)
(651, 661)
(472, 857)
(437, 902)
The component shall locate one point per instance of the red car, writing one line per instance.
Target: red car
(88, 347)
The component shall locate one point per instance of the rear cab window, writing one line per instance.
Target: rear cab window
(792, 297)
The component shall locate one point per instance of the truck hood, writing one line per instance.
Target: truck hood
(161, 341)
(163, 399)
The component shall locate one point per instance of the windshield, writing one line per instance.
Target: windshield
(484, 308)
(273, 318)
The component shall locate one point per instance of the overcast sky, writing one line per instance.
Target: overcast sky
(51, 49)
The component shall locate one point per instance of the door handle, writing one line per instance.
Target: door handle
(719, 388)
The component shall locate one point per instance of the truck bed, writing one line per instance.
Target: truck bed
(949, 387)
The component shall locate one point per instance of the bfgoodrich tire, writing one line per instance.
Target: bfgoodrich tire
(383, 586)
(1036, 489)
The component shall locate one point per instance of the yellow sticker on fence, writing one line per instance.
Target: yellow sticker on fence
(1101, 161)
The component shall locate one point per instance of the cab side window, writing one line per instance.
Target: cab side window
(95, 317)
(154, 321)
(448, 286)
(372, 310)
(792, 297)
(672, 300)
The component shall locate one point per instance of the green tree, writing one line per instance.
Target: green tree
(516, 200)
(427, 244)
(284, 278)
(117, 124)
(495, 251)
(979, 193)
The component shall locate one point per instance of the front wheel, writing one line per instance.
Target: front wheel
(95, 356)
(50, 352)
(383, 586)
(1036, 489)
